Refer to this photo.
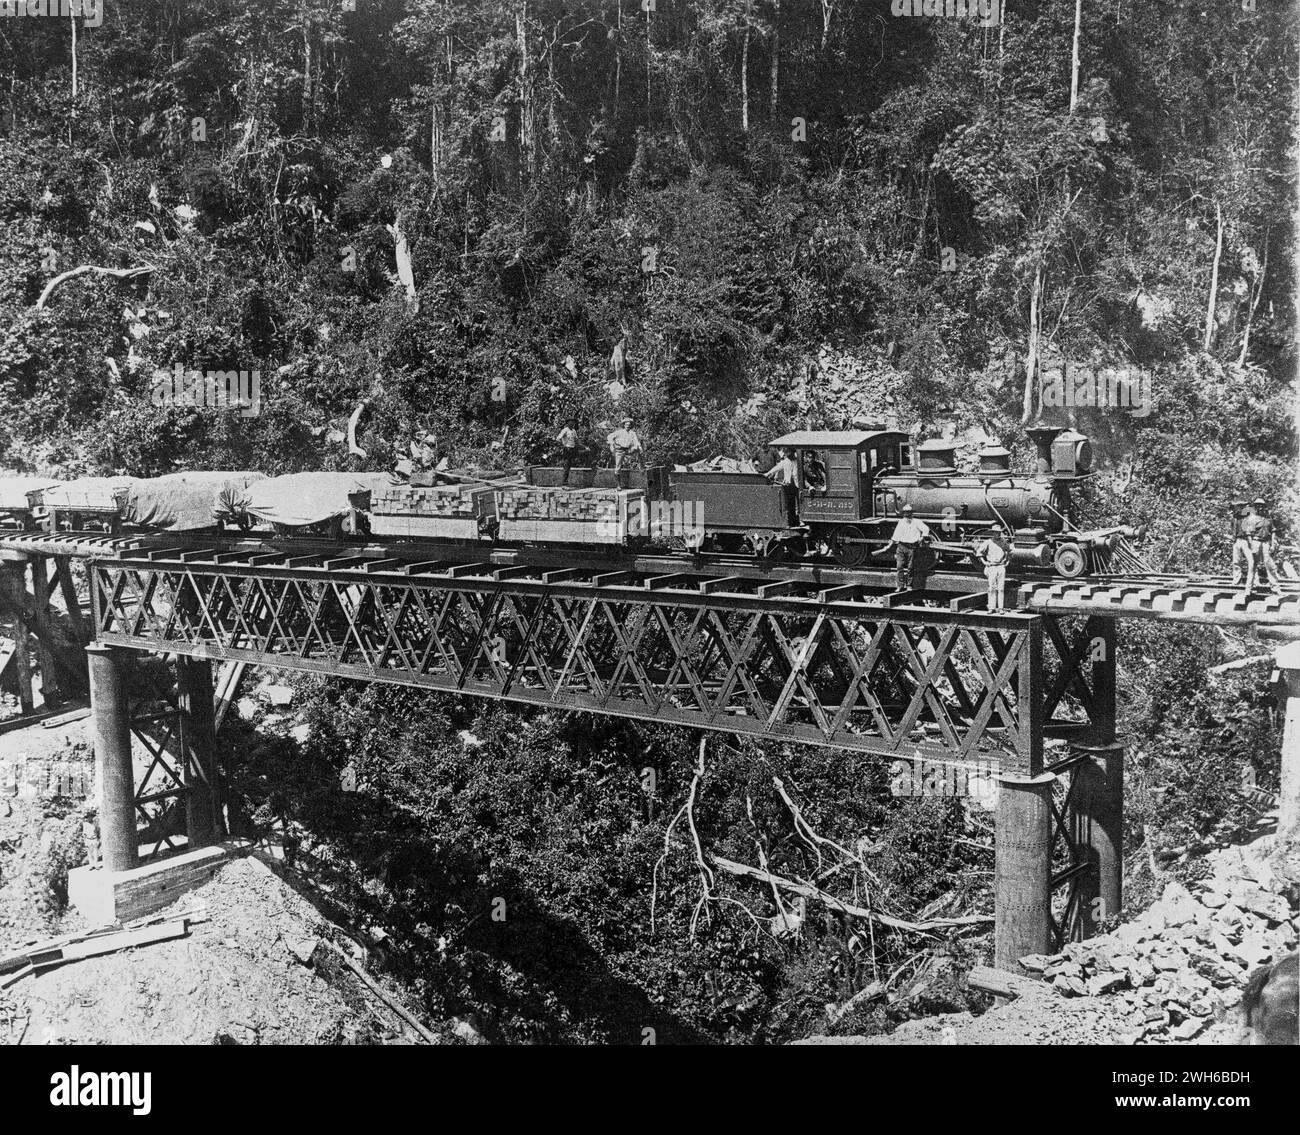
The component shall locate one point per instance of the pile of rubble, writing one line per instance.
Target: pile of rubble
(1182, 964)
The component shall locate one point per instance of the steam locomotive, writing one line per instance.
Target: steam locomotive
(853, 485)
(842, 505)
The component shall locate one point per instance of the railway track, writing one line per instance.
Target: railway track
(1183, 598)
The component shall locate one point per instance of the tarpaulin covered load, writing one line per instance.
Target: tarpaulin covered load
(298, 499)
(14, 492)
(182, 502)
(89, 494)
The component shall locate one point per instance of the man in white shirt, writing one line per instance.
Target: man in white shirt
(907, 537)
(623, 444)
(785, 471)
(993, 556)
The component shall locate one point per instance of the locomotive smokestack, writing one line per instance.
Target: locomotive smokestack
(1042, 436)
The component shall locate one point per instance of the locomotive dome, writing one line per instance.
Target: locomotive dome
(936, 456)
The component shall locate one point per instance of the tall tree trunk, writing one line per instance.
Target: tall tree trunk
(1214, 281)
(618, 58)
(73, 22)
(1002, 24)
(73, 111)
(435, 143)
(649, 63)
(552, 107)
(308, 79)
(1254, 303)
(744, 74)
(447, 38)
(776, 55)
(1031, 355)
(526, 153)
(1074, 56)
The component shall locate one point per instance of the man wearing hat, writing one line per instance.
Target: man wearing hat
(623, 444)
(428, 459)
(1257, 531)
(907, 537)
(992, 553)
(567, 439)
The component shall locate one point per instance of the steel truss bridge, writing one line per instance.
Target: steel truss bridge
(787, 652)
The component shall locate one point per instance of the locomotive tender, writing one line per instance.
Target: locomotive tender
(848, 494)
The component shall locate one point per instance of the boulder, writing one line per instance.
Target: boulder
(1104, 983)
(1177, 906)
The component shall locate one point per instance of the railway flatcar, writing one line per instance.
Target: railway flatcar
(22, 499)
(189, 502)
(86, 504)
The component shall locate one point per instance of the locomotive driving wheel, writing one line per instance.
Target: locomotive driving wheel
(850, 546)
(1070, 561)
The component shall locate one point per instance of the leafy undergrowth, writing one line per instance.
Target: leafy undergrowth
(513, 863)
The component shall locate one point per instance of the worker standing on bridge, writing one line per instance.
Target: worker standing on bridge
(907, 537)
(1258, 531)
(624, 445)
(1240, 545)
(993, 556)
(567, 439)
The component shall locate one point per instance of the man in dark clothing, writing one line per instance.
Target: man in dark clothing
(567, 440)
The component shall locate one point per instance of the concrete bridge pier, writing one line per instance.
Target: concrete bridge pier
(111, 728)
(1022, 868)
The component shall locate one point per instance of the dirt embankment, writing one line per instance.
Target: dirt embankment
(262, 967)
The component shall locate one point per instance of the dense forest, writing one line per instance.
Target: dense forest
(724, 217)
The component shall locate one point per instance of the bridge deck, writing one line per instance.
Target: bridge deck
(1187, 599)
(1182, 598)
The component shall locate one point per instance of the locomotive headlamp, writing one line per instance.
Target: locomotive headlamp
(1071, 454)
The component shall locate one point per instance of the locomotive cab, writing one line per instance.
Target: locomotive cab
(837, 489)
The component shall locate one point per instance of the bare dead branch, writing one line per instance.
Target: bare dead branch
(807, 890)
(118, 273)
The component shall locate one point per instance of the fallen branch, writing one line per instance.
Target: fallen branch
(353, 447)
(394, 1005)
(1003, 984)
(808, 891)
(836, 1013)
(1240, 664)
(706, 875)
(118, 273)
(805, 829)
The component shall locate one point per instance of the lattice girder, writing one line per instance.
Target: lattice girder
(893, 681)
